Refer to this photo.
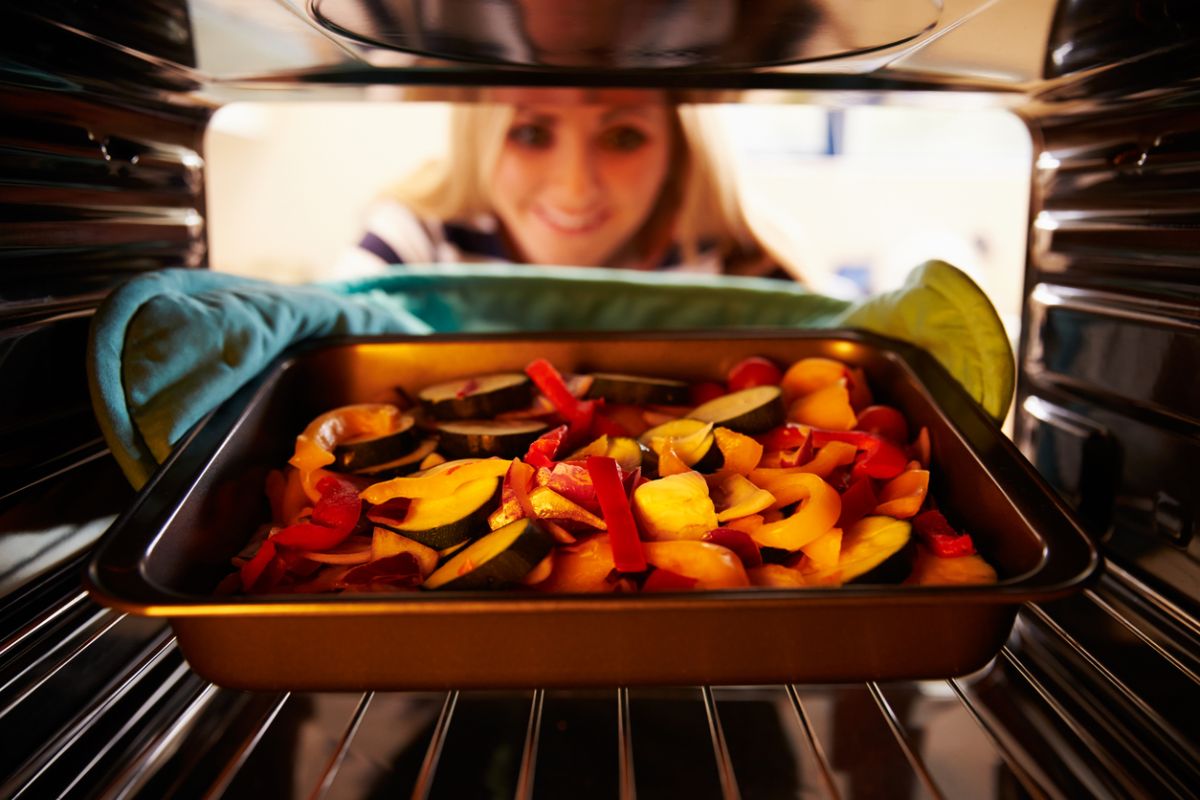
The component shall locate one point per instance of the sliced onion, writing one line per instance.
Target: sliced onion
(355, 550)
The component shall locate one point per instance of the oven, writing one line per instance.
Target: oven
(104, 176)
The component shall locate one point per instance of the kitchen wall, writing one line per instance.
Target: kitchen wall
(858, 195)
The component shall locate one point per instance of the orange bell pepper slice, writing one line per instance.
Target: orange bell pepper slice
(710, 565)
(903, 495)
(581, 568)
(741, 454)
(825, 550)
(449, 477)
(827, 459)
(820, 507)
(315, 445)
(811, 374)
(827, 408)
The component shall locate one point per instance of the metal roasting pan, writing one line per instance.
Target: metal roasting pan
(166, 553)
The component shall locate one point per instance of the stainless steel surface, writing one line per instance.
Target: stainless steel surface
(1092, 697)
(263, 48)
(1108, 406)
(1011, 730)
(623, 34)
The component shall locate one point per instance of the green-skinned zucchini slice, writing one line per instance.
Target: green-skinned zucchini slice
(477, 398)
(355, 455)
(876, 550)
(442, 522)
(500, 559)
(751, 411)
(638, 390)
(404, 465)
(480, 438)
(692, 439)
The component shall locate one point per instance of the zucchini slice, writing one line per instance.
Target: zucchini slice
(365, 452)
(629, 453)
(409, 462)
(500, 559)
(750, 411)
(477, 398)
(638, 390)
(479, 438)
(693, 441)
(442, 522)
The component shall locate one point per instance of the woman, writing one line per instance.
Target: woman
(572, 177)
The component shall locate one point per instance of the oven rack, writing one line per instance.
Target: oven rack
(1091, 696)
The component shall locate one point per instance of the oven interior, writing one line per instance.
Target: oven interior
(105, 109)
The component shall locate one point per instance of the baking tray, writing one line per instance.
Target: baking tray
(165, 555)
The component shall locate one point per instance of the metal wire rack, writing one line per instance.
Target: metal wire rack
(1091, 696)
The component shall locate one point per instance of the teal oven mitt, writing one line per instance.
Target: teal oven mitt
(168, 347)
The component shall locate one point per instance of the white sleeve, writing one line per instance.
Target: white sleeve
(396, 235)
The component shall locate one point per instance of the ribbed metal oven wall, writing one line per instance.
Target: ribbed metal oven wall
(100, 179)
(1092, 696)
(1108, 397)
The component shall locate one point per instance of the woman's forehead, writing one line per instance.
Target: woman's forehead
(564, 96)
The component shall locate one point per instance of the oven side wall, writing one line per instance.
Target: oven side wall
(1108, 402)
(100, 179)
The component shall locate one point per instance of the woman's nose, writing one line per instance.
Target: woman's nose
(574, 172)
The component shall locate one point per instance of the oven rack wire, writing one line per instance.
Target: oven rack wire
(1091, 696)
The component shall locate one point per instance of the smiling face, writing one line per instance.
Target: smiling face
(580, 172)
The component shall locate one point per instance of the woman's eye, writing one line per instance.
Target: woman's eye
(530, 135)
(623, 139)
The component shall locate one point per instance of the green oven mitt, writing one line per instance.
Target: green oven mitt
(168, 347)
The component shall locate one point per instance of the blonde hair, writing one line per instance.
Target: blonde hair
(699, 207)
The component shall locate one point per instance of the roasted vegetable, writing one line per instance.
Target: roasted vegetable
(501, 558)
(477, 398)
(547, 491)
(866, 545)
(682, 445)
(405, 464)
(637, 389)
(373, 449)
(709, 565)
(482, 438)
(675, 507)
(441, 522)
(754, 410)
(931, 570)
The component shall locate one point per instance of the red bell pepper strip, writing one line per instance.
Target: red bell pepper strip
(664, 580)
(604, 425)
(940, 537)
(753, 371)
(253, 569)
(544, 448)
(334, 517)
(618, 516)
(883, 421)
(390, 512)
(548, 379)
(786, 437)
(401, 569)
(858, 501)
(737, 541)
(632, 480)
(879, 457)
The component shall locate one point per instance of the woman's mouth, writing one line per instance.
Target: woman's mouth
(571, 222)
